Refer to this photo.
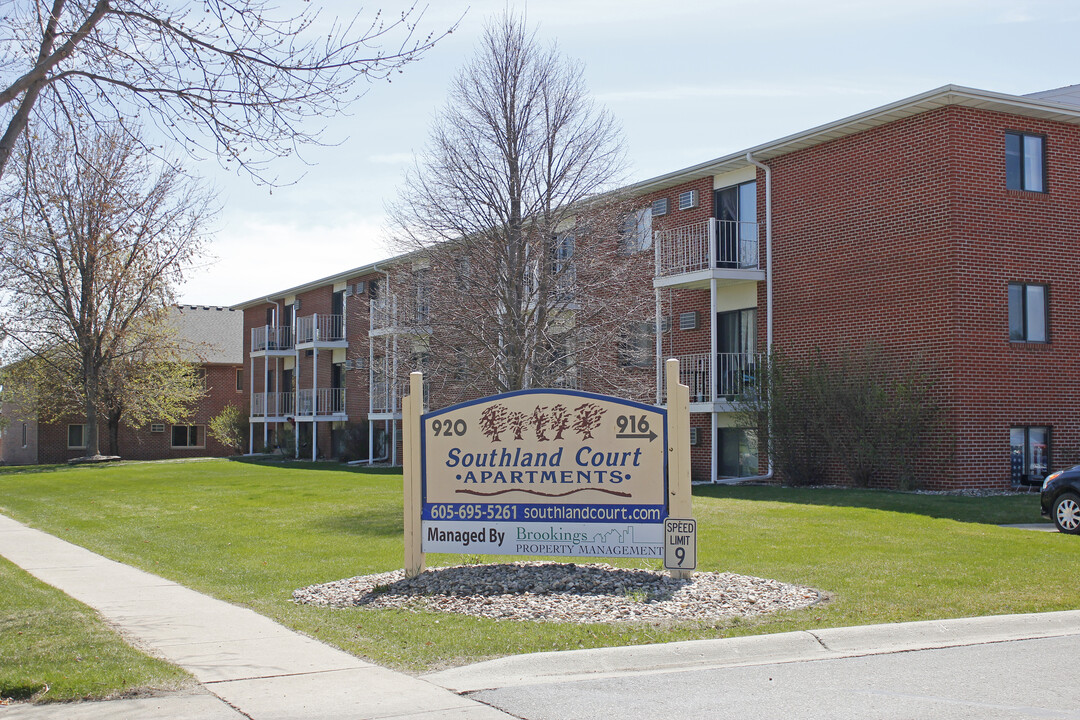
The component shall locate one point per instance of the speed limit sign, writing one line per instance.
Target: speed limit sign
(680, 544)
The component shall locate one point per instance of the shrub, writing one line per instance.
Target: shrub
(230, 428)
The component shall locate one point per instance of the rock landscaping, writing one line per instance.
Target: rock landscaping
(565, 592)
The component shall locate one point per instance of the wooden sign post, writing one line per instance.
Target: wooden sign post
(680, 504)
(412, 407)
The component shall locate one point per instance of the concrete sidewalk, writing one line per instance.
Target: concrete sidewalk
(255, 667)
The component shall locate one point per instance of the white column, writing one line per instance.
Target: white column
(714, 367)
(251, 407)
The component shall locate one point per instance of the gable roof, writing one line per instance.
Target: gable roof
(215, 334)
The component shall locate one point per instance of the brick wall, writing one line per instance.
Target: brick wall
(141, 443)
(906, 236)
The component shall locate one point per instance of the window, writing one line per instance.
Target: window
(24, 434)
(1029, 313)
(423, 296)
(637, 346)
(239, 379)
(738, 452)
(636, 234)
(188, 436)
(1025, 162)
(76, 437)
(735, 209)
(563, 270)
(1030, 454)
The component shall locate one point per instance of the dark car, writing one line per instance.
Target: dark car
(1061, 499)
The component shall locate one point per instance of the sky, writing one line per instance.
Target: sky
(689, 81)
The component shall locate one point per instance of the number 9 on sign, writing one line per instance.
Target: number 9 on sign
(680, 544)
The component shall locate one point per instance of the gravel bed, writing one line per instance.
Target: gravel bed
(564, 592)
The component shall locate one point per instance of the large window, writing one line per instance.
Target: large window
(638, 345)
(1029, 313)
(1030, 454)
(76, 437)
(636, 234)
(1025, 162)
(738, 452)
(188, 436)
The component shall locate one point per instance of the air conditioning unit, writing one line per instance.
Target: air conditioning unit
(348, 291)
(688, 199)
(694, 439)
(157, 427)
(660, 207)
(348, 364)
(360, 287)
(296, 304)
(360, 363)
(688, 320)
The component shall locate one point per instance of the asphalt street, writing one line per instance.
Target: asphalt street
(1034, 678)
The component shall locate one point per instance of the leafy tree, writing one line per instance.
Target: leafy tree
(91, 251)
(230, 427)
(515, 279)
(232, 78)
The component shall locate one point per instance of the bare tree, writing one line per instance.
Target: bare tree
(516, 277)
(231, 77)
(91, 252)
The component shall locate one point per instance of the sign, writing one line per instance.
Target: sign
(680, 544)
(544, 472)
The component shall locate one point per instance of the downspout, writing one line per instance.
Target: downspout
(371, 372)
(768, 286)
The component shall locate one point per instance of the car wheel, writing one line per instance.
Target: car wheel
(1067, 513)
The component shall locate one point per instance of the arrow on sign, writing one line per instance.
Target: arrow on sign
(627, 436)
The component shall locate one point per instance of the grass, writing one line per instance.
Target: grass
(251, 533)
(53, 648)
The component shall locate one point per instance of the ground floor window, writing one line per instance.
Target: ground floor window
(188, 436)
(76, 437)
(1030, 454)
(738, 452)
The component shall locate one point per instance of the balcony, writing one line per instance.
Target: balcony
(737, 376)
(326, 331)
(271, 340)
(273, 404)
(321, 402)
(692, 255)
(391, 314)
(386, 398)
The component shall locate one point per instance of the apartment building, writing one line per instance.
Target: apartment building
(211, 336)
(942, 227)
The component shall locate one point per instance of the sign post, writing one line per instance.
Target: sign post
(546, 472)
(412, 406)
(680, 504)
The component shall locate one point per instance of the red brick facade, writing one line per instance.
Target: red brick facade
(897, 231)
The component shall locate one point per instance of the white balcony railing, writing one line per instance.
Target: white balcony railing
(273, 404)
(707, 244)
(385, 397)
(269, 337)
(320, 328)
(737, 374)
(320, 401)
(393, 312)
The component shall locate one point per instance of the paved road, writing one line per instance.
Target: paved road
(1018, 679)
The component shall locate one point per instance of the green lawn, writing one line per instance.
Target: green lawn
(252, 533)
(53, 648)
